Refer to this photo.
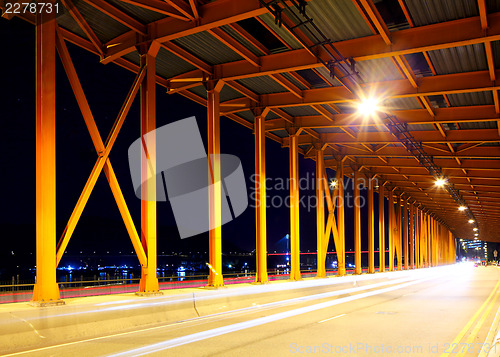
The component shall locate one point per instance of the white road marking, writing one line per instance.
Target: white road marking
(331, 318)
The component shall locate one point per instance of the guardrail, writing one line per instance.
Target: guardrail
(22, 292)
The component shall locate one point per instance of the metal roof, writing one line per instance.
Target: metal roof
(444, 89)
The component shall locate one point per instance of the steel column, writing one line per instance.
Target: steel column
(412, 237)
(149, 280)
(381, 227)
(320, 214)
(391, 230)
(46, 290)
(398, 225)
(417, 238)
(371, 229)
(215, 278)
(341, 218)
(260, 198)
(357, 224)
(404, 223)
(294, 208)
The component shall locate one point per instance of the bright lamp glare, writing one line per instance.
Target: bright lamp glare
(474, 229)
(333, 183)
(462, 208)
(367, 107)
(440, 182)
(476, 234)
(471, 221)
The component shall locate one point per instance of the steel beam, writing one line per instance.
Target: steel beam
(381, 226)
(46, 290)
(371, 228)
(215, 278)
(412, 236)
(391, 230)
(294, 208)
(405, 225)
(96, 171)
(341, 219)
(260, 198)
(149, 280)
(99, 147)
(357, 224)
(320, 214)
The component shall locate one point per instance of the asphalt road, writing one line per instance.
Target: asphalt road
(426, 312)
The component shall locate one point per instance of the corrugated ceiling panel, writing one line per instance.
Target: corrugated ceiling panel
(281, 31)
(67, 22)
(228, 93)
(378, 70)
(247, 115)
(468, 99)
(134, 58)
(402, 104)
(242, 40)
(492, 5)
(495, 45)
(280, 133)
(208, 48)
(294, 81)
(272, 115)
(326, 74)
(459, 59)
(262, 85)
(104, 26)
(479, 125)
(338, 20)
(300, 111)
(169, 65)
(421, 127)
(425, 12)
(139, 13)
(328, 130)
(199, 91)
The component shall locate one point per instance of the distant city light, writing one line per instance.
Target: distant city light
(440, 182)
(368, 107)
(462, 208)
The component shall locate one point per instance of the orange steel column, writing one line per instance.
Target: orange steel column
(391, 230)
(405, 225)
(215, 278)
(149, 280)
(320, 214)
(412, 237)
(46, 290)
(423, 237)
(341, 219)
(261, 204)
(428, 239)
(371, 229)
(417, 238)
(381, 227)
(398, 226)
(357, 224)
(294, 208)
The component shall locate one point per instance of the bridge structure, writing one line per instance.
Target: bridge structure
(301, 73)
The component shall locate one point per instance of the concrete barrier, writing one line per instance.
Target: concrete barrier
(24, 327)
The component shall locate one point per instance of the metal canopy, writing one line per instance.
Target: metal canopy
(433, 64)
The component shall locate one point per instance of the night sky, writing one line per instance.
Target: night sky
(100, 228)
